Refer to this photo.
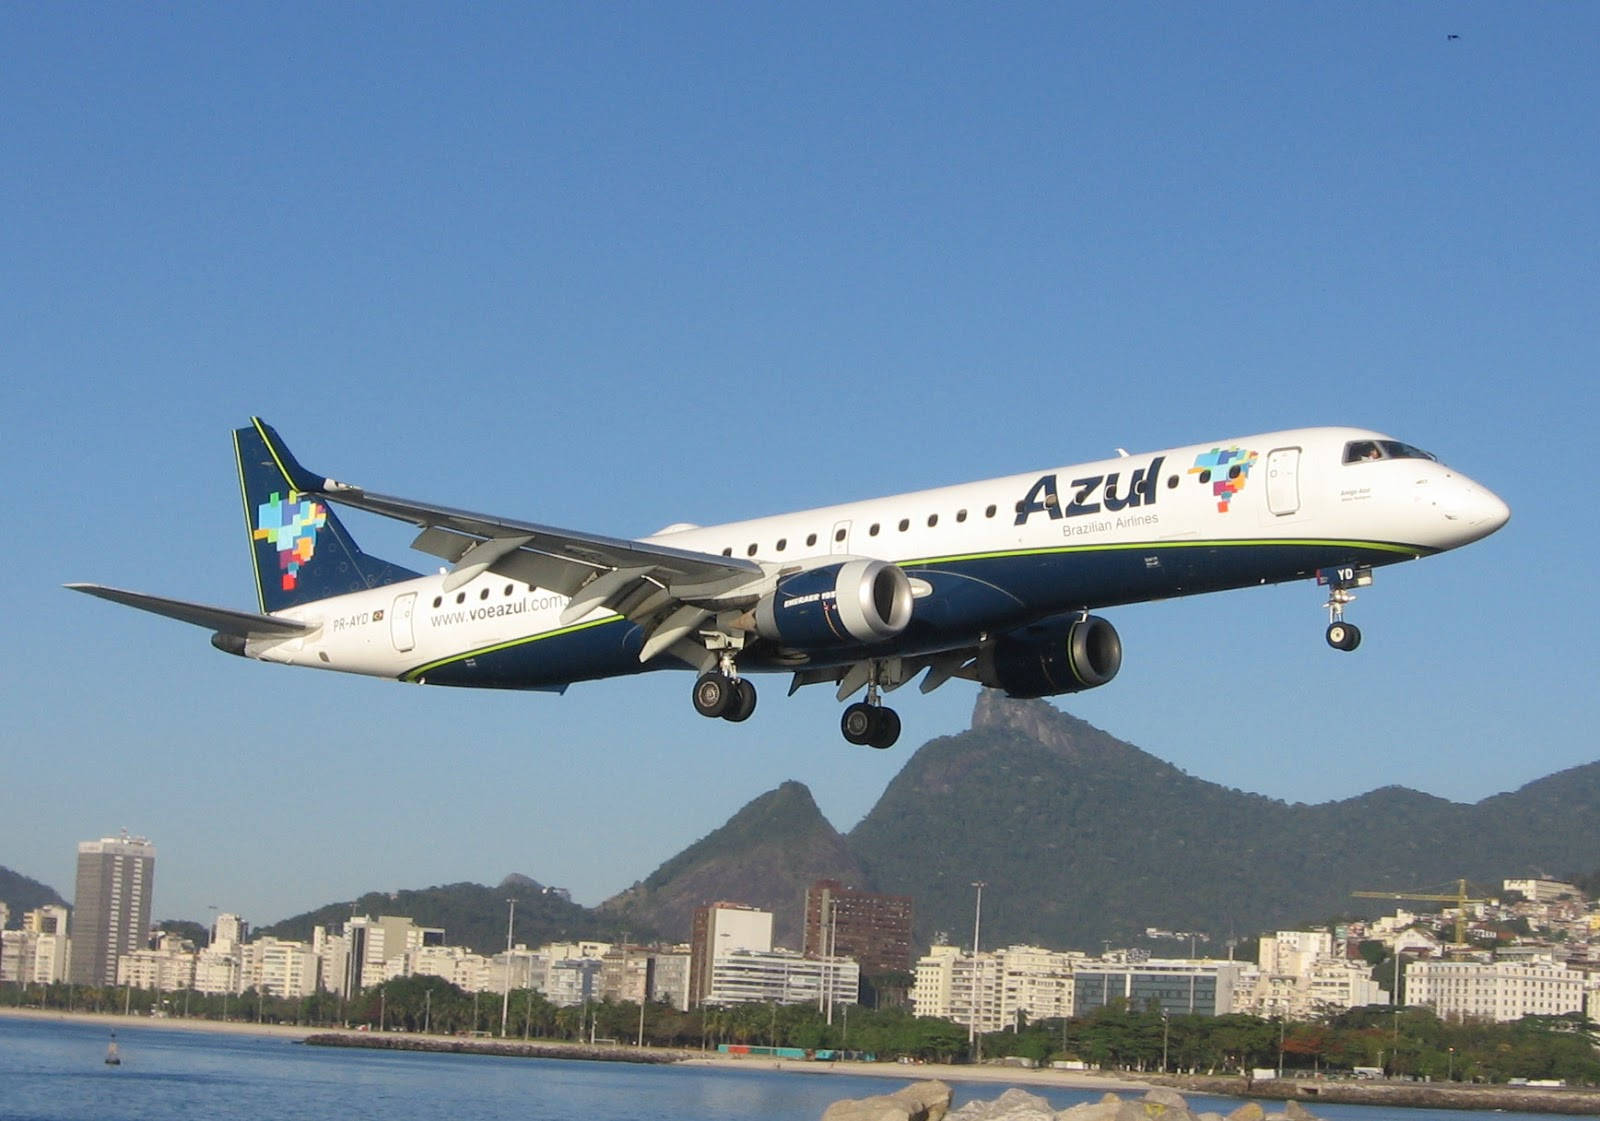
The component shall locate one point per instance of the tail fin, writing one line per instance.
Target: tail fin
(301, 551)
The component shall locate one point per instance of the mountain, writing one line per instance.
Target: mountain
(767, 855)
(21, 894)
(472, 915)
(1082, 837)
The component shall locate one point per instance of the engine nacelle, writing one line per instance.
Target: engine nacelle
(1051, 658)
(855, 601)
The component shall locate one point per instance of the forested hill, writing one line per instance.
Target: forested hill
(1082, 837)
(766, 855)
(472, 915)
(22, 894)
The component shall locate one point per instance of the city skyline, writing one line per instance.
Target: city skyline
(692, 264)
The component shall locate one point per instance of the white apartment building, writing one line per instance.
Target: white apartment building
(1501, 990)
(1299, 975)
(216, 969)
(782, 977)
(992, 991)
(670, 982)
(276, 968)
(1542, 891)
(456, 964)
(38, 953)
(168, 968)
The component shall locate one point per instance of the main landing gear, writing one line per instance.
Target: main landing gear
(719, 694)
(867, 723)
(1340, 634)
(870, 725)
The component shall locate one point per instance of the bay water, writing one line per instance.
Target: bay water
(55, 1071)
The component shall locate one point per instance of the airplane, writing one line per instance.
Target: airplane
(993, 581)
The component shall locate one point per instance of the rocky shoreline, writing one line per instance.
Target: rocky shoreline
(1410, 1095)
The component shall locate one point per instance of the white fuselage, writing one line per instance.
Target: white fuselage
(1274, 507)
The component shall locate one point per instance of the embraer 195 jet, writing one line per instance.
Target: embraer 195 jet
(992, 581)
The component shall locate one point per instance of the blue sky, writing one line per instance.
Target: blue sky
(615, 266)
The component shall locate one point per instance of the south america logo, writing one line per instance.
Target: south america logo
(290, 526)
(1225, 470)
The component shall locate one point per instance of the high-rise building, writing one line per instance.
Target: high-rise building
(873, 929)
(719, 929)
(111, 906)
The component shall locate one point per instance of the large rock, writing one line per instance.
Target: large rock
(1249, 1111)
(920, 1101)
(1013, 1105)
(1161, 1095)
(1105, 1109)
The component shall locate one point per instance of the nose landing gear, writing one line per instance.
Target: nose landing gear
(1339, 581)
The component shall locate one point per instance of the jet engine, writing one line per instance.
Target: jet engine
(857, 601)
(1066, 655)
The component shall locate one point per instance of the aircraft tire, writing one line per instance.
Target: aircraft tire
(887, 730)
(858, 723)
(1344, 636)
(713, 694)
(743, 703)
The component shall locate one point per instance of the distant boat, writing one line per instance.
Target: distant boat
(112, 1058)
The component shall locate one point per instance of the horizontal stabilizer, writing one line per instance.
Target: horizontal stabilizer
(220, 619)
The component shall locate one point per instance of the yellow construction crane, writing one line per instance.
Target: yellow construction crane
(1460, 899)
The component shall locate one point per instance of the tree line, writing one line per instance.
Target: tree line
(1405, 1042)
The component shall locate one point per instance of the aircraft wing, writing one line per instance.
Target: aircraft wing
(669, 592)
(240, 623)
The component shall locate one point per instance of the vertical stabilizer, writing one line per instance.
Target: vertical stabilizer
(300, 549)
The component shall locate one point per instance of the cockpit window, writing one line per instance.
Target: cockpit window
(1361, 451)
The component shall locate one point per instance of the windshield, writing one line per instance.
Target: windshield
(1363, 451)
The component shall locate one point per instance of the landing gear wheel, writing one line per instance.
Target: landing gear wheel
(858, 723)
(1344, 636)
(868, 725)
(714, 694)
(743, 702)
(888, 729)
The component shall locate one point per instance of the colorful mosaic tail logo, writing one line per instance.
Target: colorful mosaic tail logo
(290, 526)
(1226, 469)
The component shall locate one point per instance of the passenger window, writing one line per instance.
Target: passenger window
(905, 524)
(484, 594)
(811, 539)
(989, 513)
(437, 600)
(873, 532)
(751, 551)
(933, 520)
(961, 515)
(728, 552)
(508, 589)
(838, 535)
(783, 543)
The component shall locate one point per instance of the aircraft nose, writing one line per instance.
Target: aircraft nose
(1486, 510)
(1478, 509)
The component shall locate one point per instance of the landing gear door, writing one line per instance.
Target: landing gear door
(400, 622)
(1283, 481)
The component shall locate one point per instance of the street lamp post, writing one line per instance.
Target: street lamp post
(505, 993)
(977, 926)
